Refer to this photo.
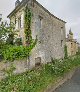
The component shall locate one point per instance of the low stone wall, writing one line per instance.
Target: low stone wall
(20, 67)
(60, 81)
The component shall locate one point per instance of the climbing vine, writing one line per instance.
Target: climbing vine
(29, 41)
(65, 52)
(27, 26)
(12, 52)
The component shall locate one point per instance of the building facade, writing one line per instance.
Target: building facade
(72, 45)
(49, 30)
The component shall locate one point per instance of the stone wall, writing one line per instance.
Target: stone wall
(72, 48)
(49, 36)
(19, 65)
(19, 31)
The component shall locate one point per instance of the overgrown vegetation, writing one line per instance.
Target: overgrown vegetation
(6, 36)
(27, 25)
(10, 50)
(38, 79)
(34, 80)
(12, 53)
(18, 41)
(65, 52)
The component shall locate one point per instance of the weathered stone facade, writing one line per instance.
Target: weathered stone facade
(49, 30)
(72, 45)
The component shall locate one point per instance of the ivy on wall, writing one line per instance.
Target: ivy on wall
(27, 29)
(65, 52)
(12, 52)
(27, 25)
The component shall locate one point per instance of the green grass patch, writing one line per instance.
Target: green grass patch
(38, 80)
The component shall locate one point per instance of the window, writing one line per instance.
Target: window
(71, 45)
(32, 3)
(22, 20)
(15, 20)
(61, 31)
(61, 43)
(40, 22)
(19, 22)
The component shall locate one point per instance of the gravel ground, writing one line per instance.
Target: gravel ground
(72, 85)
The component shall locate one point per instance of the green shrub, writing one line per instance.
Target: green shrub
(18, 41)
(65, 52)
(11, 52)
(15, 52)
(38, 79)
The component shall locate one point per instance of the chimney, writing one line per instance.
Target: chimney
(17, 3)
(0, 17)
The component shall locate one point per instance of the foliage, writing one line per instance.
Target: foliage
(11, 34)
(10, 39)
(38, 79)
(18, 41)
(6, 36)
(9, 71)
(6, 32)
(27, 26)
(11, 53)
(65, 52)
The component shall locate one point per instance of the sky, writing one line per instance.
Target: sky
(67, 10)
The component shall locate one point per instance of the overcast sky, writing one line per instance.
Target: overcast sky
(68, 10)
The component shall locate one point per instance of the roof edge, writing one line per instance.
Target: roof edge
(48, 11)
(23, 3)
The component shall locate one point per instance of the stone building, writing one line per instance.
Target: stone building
(49, 30)
(72, 45)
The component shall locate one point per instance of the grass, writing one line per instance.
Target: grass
(38, 80)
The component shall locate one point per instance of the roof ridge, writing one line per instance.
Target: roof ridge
(24, 2)
(49, 11)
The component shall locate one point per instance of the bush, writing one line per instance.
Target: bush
(11, 52)
(39, 79)
(15, 52)
(65, 52)
(18, 41)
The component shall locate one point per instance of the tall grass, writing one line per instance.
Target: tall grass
(38, 79)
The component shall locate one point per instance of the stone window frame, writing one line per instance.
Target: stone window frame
(41, 21)
(19, 22)
(15, 20)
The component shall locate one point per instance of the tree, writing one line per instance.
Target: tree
(6, 36)
(6, 33)
(65, 52)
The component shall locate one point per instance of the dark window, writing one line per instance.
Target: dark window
(40, 22)
(15, 20)
(19, 22)
(61, 43)
(71, 45)
(61, 31)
